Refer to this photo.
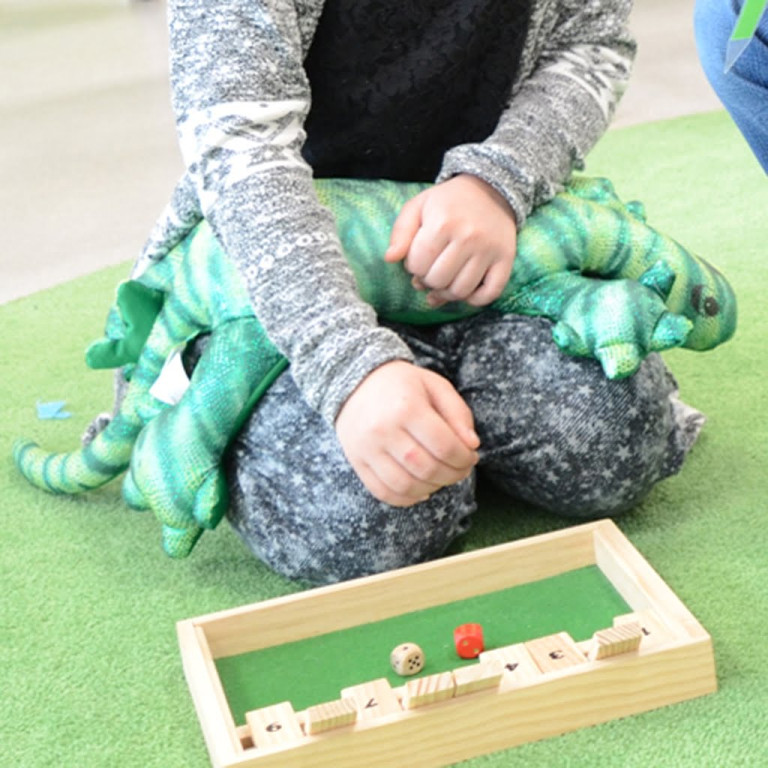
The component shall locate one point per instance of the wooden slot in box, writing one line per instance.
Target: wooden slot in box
(676, 663)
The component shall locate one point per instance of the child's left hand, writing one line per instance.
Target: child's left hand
(458, 239)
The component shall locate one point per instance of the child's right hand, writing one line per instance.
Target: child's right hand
(407, 433)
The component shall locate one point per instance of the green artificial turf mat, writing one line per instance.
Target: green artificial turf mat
(91, 674)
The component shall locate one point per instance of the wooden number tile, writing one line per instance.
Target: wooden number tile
(622, 638)
(428, 690)
(274, 726)
(373, 699)
(555, 652)
(332, 714)
(653, 628)
(518, 666)
(477, 677)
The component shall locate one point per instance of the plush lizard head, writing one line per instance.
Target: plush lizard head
(714, 318)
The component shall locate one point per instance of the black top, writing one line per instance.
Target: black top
(396, 83)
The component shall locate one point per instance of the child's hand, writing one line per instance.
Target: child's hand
(458, 240)
(407, 433)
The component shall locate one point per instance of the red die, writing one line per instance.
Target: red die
(468, 639)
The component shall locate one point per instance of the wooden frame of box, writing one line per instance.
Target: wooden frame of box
(674, 661)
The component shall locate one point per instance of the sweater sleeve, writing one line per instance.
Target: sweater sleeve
(240, 96)
(579, 58)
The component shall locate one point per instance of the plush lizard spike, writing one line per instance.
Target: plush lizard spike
(140, 307)
(659, 278)
(615, 288)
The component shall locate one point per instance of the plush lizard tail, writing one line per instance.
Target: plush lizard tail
(91, 466)
(108, 454)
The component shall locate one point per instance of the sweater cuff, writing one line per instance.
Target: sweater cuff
(472, 159)
(327, 381)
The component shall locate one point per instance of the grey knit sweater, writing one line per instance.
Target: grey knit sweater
(241, 95)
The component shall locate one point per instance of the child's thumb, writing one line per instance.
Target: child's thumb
(457, 414)
(404, 230)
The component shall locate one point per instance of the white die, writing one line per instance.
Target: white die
(407, 659)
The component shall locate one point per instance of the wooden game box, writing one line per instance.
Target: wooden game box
(522, 692)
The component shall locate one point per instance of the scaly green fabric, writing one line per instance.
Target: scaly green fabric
(615, 288)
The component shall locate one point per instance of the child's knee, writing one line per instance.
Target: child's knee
(354, 535)
(600, 454)
(607, 481)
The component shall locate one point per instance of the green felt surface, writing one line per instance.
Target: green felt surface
(316, 669)
(90, 672)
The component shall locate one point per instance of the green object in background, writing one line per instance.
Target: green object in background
(746, 26)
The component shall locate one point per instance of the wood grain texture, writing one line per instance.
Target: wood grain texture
(673, 663)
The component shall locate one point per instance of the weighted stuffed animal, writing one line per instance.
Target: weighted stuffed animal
(615, 289)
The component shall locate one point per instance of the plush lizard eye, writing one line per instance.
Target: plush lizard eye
(711, 307)
(708, 306)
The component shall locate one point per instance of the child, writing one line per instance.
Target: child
(362, 457)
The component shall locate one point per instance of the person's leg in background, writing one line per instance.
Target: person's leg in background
(744, 88)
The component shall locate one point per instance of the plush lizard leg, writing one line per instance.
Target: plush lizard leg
(618, 322)
(176, 463)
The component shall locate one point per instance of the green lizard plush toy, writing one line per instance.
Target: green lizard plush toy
(615, 289)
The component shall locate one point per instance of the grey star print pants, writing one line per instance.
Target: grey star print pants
(555, 432)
